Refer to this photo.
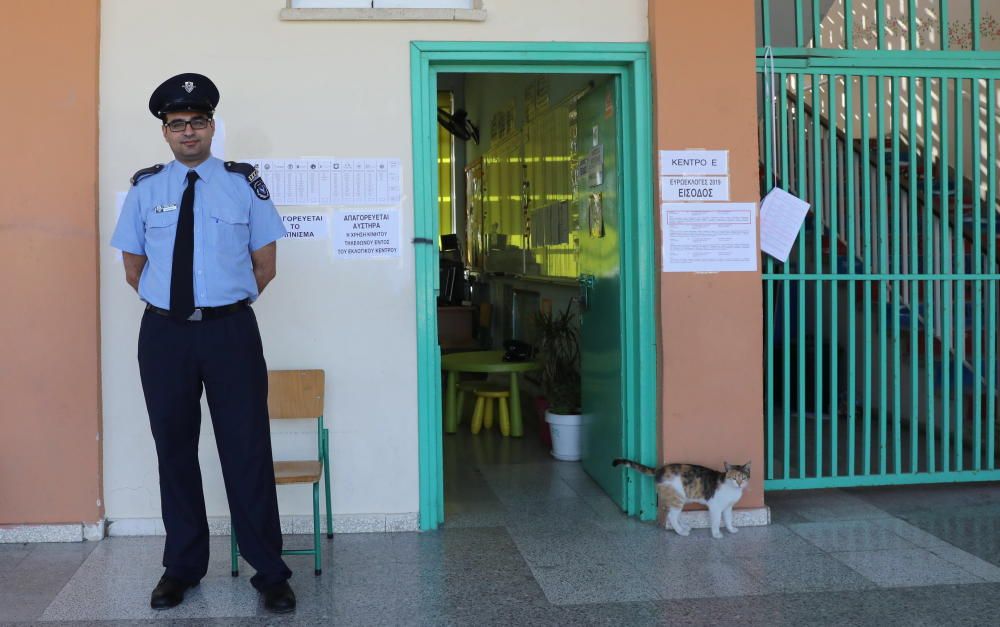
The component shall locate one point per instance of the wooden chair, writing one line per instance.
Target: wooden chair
(299, 394)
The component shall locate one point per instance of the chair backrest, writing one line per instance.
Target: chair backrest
(295, 393)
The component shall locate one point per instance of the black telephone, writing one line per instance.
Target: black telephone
(516, 350)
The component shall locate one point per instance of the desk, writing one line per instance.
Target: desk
(483, 361)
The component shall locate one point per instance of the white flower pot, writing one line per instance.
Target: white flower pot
(567, 434)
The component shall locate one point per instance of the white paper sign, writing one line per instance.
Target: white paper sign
(781, 216)
(678, 162)
(303, 226)
(694, 188)
(367, 233)
(331, 181)
(709, 237)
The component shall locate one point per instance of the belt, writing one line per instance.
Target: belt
(205, 313)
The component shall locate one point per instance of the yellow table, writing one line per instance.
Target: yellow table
(483, 361)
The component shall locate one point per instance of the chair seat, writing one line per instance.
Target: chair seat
(308, 471)
(502, 392)
(486, 388)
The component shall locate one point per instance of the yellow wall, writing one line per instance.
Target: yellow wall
(49, 374)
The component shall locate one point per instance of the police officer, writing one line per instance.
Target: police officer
(197, 237)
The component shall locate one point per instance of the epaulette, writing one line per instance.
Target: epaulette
(250, 173)
(143, 173)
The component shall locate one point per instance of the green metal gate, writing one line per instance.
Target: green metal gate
(881, 327)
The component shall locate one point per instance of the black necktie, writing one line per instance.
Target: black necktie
(182, 272)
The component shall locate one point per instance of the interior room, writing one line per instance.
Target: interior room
(528, 216)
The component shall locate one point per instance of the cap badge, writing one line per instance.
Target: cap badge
(188, 86)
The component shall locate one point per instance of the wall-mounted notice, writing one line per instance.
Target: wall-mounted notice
(709, 237)
(694, 188)
(367, 233)
(331, 181)
(302, 226)
(680, 162)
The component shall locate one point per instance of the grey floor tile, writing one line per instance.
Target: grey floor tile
(716, 576)
(532, 541)
(966, 528)
(856, 535)
(117, 577)
(909, 532)
(774, 539)
(930, 498)
(824, 505)
(593, 580)
(905, 567)
(779, 572)
(968, 562)
(11, 555)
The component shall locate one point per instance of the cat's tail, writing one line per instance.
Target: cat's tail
(646, 470)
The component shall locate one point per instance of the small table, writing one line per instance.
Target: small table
(483, 361)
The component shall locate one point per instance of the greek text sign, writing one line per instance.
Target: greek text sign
(678, 162)
(694, 188)
(301, 226)
(366, 233)
(709, 237)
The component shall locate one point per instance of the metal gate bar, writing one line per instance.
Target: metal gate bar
(888, 297)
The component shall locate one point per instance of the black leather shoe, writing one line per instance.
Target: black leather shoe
(279, 598)
(168, 593)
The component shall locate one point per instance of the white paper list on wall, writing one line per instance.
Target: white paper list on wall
(331, 181)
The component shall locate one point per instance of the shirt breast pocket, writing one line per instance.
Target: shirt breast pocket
(160, 229)
(231, 230)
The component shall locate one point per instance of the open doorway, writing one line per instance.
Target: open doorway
(551, 211)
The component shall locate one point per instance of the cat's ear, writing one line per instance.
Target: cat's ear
(727, 466)
(746, 466)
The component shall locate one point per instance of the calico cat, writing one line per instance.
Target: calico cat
(677, 484)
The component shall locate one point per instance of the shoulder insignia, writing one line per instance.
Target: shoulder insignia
(143, 173)
(250, 173)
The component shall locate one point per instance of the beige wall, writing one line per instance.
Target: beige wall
(49, 374)
(293, 89)
(710, 351)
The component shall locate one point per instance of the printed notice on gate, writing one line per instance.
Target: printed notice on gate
(371, 233)
(781, 217)
(709, 237)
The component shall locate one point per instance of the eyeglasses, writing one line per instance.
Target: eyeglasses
(178, 126)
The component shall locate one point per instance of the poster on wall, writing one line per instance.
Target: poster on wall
(305, 226)
(331, 181)
(709, 237)
(366, 233)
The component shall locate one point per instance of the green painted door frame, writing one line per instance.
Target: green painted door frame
(629, 62)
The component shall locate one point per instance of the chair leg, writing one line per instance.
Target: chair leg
(233, 553)
(477, 415)
(504, 417)
(326, 480)
(488, 419)
(460, 406)
(318, 556)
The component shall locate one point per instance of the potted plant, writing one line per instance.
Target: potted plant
(558, 352)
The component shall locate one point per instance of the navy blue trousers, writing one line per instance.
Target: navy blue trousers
(225, 356)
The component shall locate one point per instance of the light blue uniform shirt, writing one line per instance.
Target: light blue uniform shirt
(230, 221)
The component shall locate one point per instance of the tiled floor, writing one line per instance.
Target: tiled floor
(532, 541)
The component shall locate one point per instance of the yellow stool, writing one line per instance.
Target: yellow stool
(482, 416)
(467, 387)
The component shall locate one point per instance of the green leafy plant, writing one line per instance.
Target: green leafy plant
(558, 350)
